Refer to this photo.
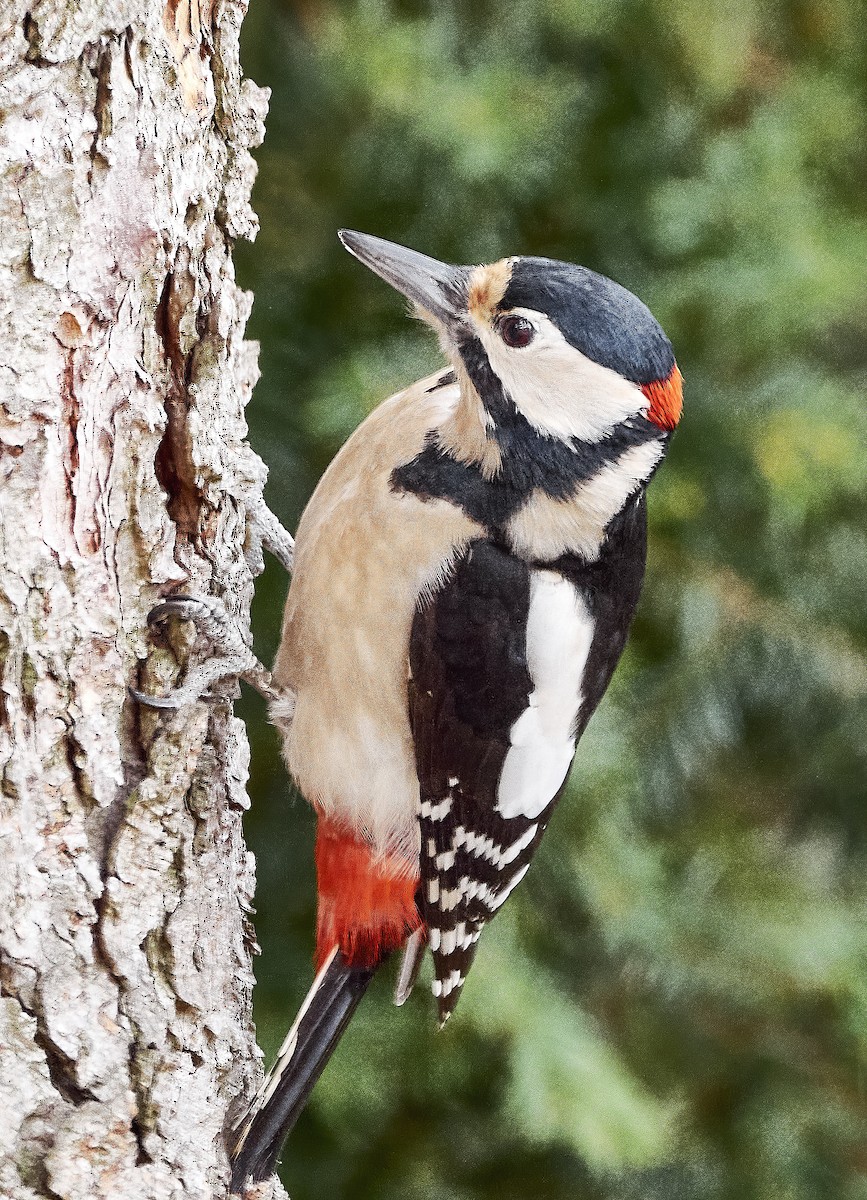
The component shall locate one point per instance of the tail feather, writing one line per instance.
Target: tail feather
(323, 1017)
(413, 953)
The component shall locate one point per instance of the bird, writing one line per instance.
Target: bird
(466, 574)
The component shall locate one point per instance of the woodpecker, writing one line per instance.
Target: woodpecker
(465, 577)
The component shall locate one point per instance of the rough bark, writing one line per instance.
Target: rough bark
(125, 1021)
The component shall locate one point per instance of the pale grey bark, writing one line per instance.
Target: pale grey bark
(125, 978)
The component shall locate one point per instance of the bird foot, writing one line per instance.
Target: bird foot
(232, 656)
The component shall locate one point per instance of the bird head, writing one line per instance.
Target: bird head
(574, 353)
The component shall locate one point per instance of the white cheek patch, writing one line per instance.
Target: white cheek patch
(560, 391)
(559, 634)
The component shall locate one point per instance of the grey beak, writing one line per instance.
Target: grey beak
(438, 288)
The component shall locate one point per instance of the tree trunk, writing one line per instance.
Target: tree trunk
(125, 1020)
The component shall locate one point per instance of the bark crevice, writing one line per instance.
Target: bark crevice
(174, 465)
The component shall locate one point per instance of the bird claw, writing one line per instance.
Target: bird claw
(185, 608)
(233, 657)
(231, 646)
(212, 620)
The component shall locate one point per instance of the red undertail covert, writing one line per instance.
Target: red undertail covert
(366, 903)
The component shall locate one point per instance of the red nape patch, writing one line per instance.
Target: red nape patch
(666, 399)
(365, 905)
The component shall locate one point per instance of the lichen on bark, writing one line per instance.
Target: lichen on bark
(125, 886)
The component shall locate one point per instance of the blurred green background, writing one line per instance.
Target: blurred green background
(674, 1004)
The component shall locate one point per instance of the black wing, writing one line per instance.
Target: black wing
(469, 683)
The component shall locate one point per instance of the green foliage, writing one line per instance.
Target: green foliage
(674, 1004)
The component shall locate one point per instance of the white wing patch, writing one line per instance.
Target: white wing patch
(559, 634)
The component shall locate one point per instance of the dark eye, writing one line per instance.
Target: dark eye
(516, 331)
